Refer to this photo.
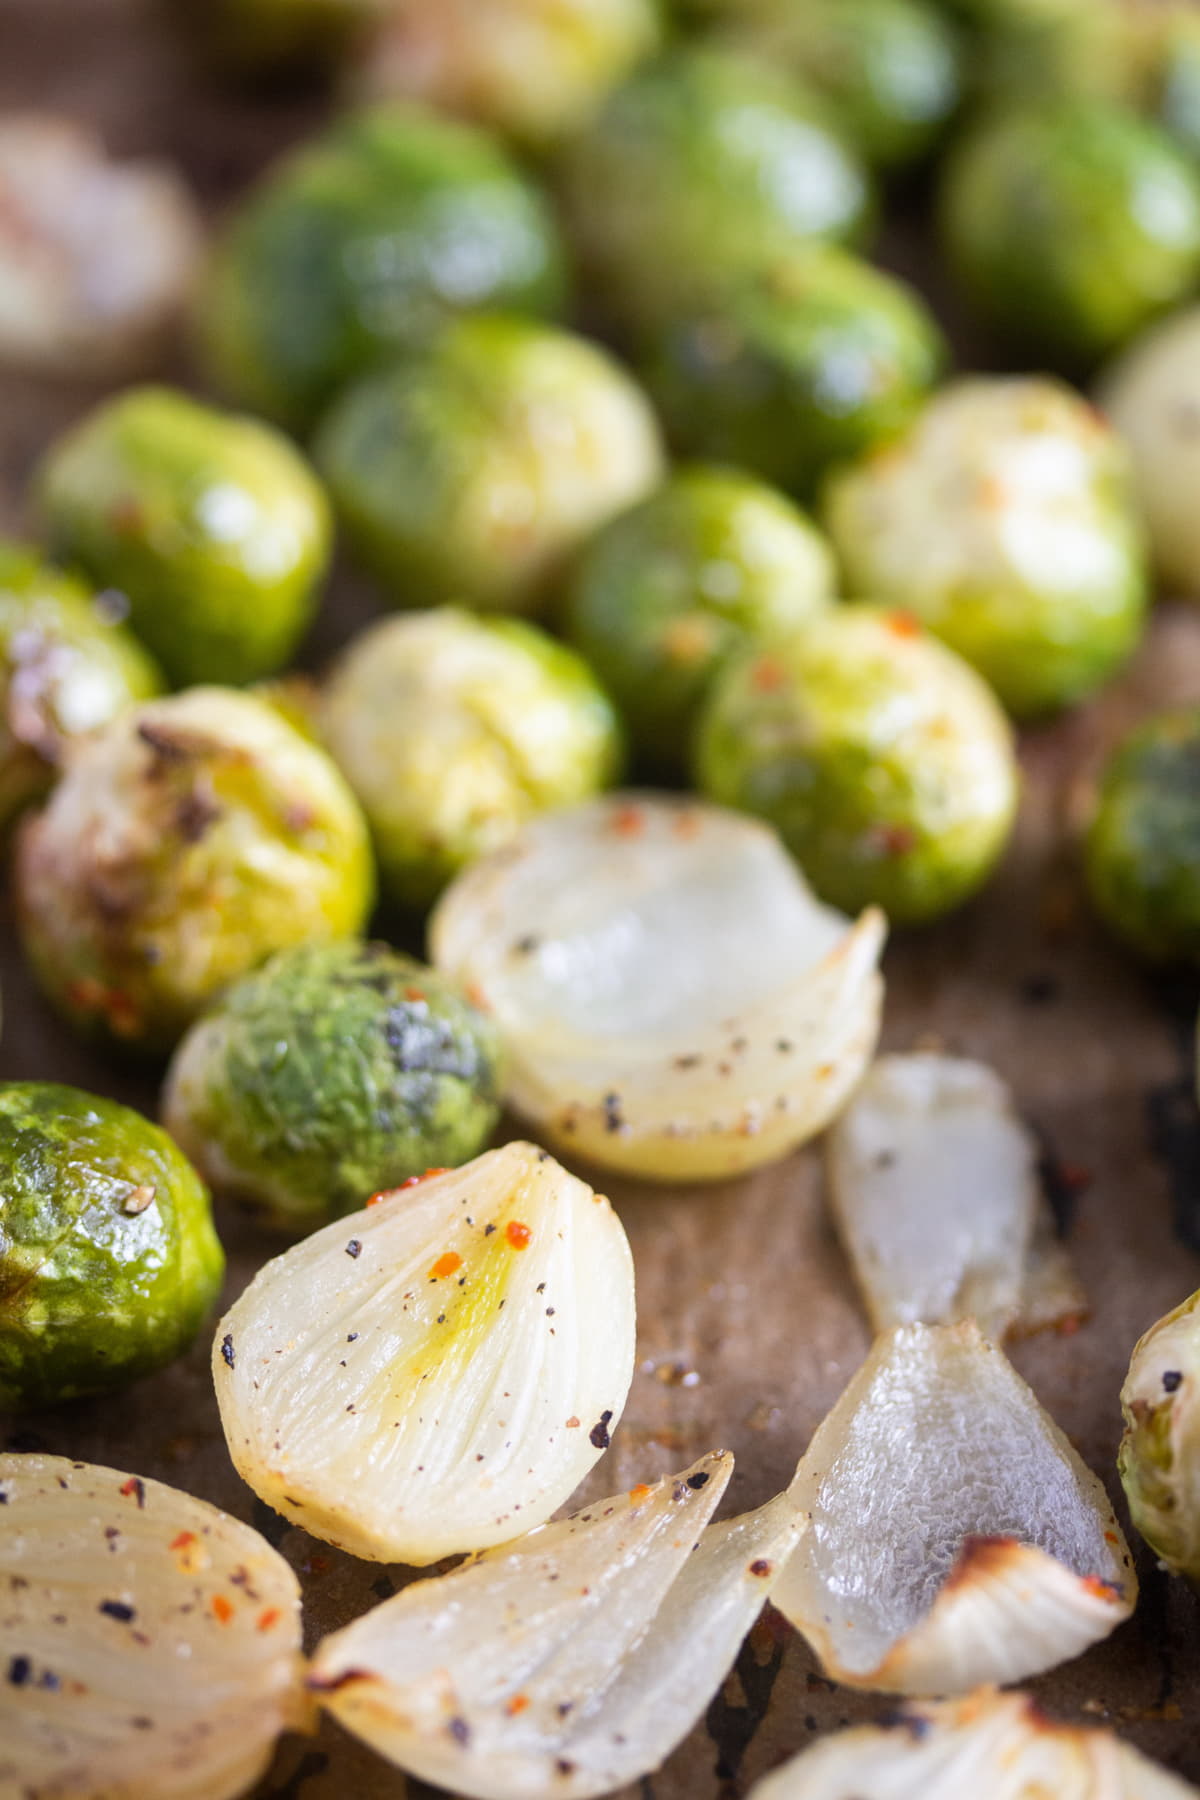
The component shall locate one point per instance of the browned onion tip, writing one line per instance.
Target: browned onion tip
(96, 258)
(988, 1746)
(934, 1184)
(568, 1662)
(439, 1371)
(956, 1539)
(675, 1001)
(149, 1644)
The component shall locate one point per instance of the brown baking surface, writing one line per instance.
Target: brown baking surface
(742, 1288)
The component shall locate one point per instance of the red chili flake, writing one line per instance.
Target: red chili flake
(573, 1423)
(416, 1180)
(903, 624)
(518, 1235)
(761, 1567)
(387, 1193)
(183, 1541)
(1103, 1590)
(134, 1489)
(222, 1608)
(446, 1265)
(628, 821)
(413, 993)
(477, 997)
(768, 677)
(894, 840)
(268, 1618)
(1070, 1325)
(1075, 1176)
(1110, 1537)
(638, 1494)
(516, 1705)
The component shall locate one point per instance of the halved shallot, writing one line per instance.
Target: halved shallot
(956, 1539)
(674, 999)
(571, 1661)
(439, 1372)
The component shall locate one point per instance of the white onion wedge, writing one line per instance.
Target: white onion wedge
(568, 1662)
(987, 1746)
(674, 1000)
(956, 1538)
(149, 1644)
(440, 1371)
(934, 1185)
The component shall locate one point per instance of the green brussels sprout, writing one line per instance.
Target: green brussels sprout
(362, 244)
(880, 757)
(1071, 224)
(1159, 1458)
(333, 1072)
(187, 841)
(472, 470)
(454, 730)
(807, 363)
(214, 527)
(666, 594)
(1152, 397)
(1142, 854)
(108, 1258)
(700, 168)
(535, 70)
(889, 68)
(67, 665)
(1004, 520)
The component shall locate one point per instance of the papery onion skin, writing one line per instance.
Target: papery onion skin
(1159, 1458)
(179, 1664)
(437, 1372)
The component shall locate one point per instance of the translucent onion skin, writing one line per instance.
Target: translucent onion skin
(571, 1661)
(989, 1746)
(439, 1371)
(956, 1539)
(1159, 1458)
(674, 1000)
(151, 1642)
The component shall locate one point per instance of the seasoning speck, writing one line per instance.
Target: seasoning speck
(227, 1350)
(598, 1435)
(135, 1487)
(698, 1481)
(459, 1730)
(1172, 1379)
(19, 1671)
(118, 1610)
(354, 1248)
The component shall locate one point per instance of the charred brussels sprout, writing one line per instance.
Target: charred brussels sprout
(807, 363)
(1143, 846)
(361, 245)
(214, 527)
(1004, 519)
(535, 70)
(667, 593)
(881, 759)
(1071, 224)
(470, 471)
(67, 666)
(889, 68)
(187, 841)
(335, 1071)
(702, 167)
(454, 730)
(277, 37)
(108, 1258)
(1159, 1460)
(1152, 396)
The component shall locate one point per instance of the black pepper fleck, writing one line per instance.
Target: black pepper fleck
(459, 1730)
(698, 1481)
(118, 1610)
(598, 1435)
(1172, 1379)
(227, 1351)
(19, 1671)
(354, 1248)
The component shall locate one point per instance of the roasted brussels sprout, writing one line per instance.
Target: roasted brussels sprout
(454, 730)
(1152, 396)
(703, 166)
(889, 68)
(664, 596)
(1158, 1460)
(808, 362)
(67, 665)
(331, 1073)
(1004, 520)
(108, 1257)
(187, 840)
(1070, 224)
(535, 70)
(1143, 847)
(471, 470)
(362, 244)
(878, 755)
(212, 525)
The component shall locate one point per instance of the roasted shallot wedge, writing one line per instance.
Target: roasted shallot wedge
(440, 1371)
(97, 258)
(987, 1746)
(934, 1183)
(568, 1662)
(150, 1644)
(956, 1539)
(675, 1001)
